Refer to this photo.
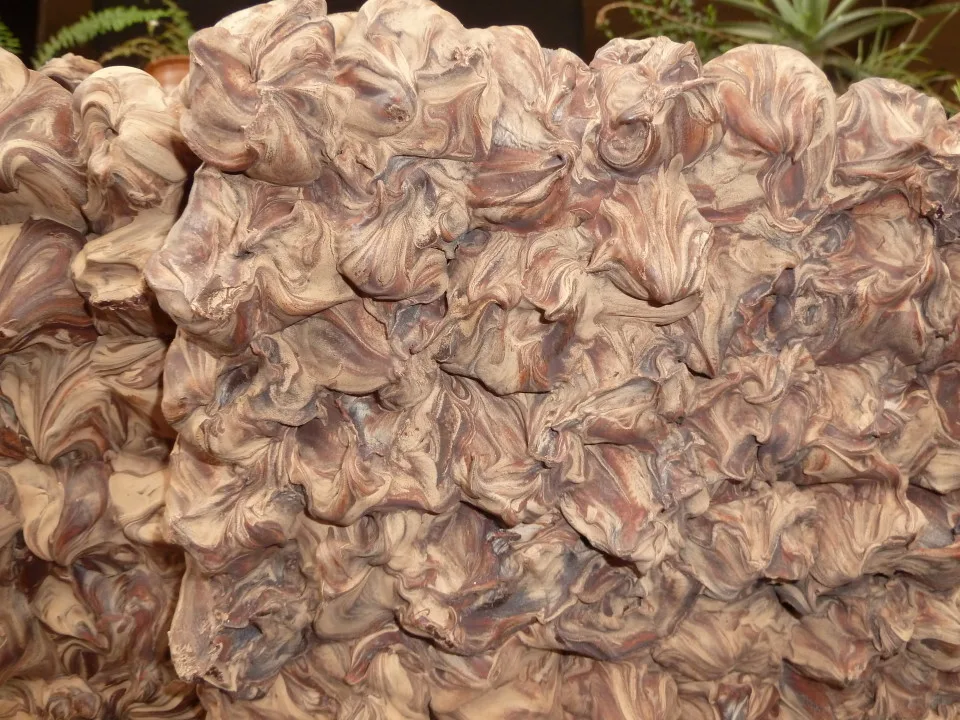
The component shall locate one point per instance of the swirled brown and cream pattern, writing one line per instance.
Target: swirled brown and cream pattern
(93, 165)
(471, 381)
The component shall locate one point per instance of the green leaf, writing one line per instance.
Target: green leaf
(93, 25)
(902, 15)
(751, 31)
(756, 8)
(803, 9)
(841, 8)
(789, 13)
(9, 41)
(860, 28)
(820, 10)
(180, 28)
(936, 9)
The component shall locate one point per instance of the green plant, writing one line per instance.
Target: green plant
(825, 34)
(171, 40)
(904, 62)
(9, 41)
(680, 20)
(168, 29)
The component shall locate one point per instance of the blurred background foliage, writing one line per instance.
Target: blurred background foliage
(913, 42)
(849, 42)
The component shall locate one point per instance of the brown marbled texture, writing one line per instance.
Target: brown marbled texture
(510, 386)
(69, 70)
(502, 385)
(94, 167)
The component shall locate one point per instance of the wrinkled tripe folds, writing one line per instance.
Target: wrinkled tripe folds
(388, 369)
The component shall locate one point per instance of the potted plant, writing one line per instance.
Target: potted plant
(162, 49)
(847, 42)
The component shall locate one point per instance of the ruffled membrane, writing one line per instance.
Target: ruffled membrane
(390, 369)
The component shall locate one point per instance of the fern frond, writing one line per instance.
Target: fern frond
(9, 41)
(179, 29)
(147, 48)
(93, 25)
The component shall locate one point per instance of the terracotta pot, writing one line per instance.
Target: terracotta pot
(170, 70)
